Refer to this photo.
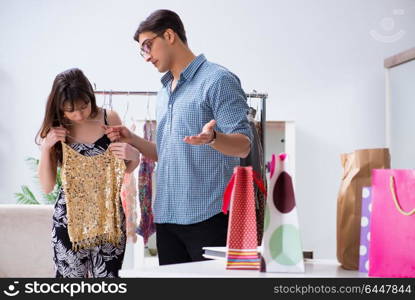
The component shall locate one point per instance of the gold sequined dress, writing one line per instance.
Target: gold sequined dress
(87, 247)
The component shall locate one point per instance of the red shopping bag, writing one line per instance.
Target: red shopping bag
(242, 240)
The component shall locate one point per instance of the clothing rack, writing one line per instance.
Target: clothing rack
(152, 93)
(125, 93)
(253, 95)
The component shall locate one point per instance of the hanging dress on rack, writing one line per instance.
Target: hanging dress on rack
(145, 188)
(256, 159)
(88, 233)
(129, 203)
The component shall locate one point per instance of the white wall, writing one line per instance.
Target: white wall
(316, 59)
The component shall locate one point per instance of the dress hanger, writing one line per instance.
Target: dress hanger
(110, 100)
(128, 106)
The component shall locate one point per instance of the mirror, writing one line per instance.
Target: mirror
(400, 109)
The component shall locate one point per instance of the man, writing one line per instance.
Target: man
(202, 132)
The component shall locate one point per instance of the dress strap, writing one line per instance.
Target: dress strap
(105, 117)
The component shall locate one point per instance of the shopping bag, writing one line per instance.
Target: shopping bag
(281, 246)
(392, 237)
(357, 174)
(365, 230)
(242, 244)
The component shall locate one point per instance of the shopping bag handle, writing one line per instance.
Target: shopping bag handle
(259, 182)
(227, 195)
(228, 191)
(395, 199)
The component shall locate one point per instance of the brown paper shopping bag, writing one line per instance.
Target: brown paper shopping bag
(357, 168)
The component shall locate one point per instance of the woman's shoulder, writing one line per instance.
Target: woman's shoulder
(113, 118)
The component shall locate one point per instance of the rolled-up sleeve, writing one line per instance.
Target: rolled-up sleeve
(228, 102)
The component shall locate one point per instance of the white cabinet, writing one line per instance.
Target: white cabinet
(280, 138)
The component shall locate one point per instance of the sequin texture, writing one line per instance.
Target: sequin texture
(92, 186)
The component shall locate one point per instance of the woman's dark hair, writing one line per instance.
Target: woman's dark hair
(68, 87)
(161, 20)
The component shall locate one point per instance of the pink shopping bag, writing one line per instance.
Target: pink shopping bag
(392, 241)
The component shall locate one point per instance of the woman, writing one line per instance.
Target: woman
(73, 117)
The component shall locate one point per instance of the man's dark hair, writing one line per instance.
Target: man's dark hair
(159, 21)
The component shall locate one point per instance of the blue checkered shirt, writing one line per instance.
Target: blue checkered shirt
(191, 179)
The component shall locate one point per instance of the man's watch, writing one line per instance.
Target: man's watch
(213, 139)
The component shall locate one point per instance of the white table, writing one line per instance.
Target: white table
(216, 268)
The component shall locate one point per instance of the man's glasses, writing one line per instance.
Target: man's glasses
(145, 48)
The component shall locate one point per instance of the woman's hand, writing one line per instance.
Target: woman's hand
(54, 135)
(118, 133)
(125, 151)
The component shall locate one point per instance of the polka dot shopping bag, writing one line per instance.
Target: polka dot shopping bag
(365, 230)
(281, 246)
